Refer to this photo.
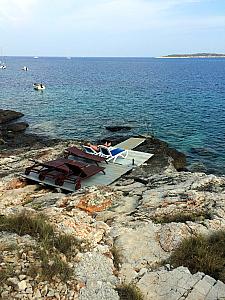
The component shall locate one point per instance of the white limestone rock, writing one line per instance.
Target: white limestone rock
(139, 246)
(96, 272)
(171, 234)
(127, 205)
(130, 187)
(22, 285)
(127, 273)
(180, 284)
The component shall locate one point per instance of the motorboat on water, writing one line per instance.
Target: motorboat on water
(39, 86)
(2, 61)
(25, 68)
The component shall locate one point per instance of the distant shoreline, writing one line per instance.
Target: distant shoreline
(196, 55)
(191, 56)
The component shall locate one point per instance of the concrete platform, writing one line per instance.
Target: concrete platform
(113, 171)
(130, 143)
(134, 158)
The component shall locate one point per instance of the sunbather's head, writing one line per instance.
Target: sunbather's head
(107, 144)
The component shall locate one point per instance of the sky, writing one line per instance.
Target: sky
(111, 28)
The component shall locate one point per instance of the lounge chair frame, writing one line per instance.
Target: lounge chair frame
(110, 153)
(76, 152)
(64, 170)
(90, 150)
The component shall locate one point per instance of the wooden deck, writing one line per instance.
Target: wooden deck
(113, 171)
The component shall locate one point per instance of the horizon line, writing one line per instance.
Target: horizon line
(68, 56)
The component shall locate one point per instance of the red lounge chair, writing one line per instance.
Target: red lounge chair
(74, 151)
(62, 170)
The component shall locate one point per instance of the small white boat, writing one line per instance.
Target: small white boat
(25, 68)
(39, 86)
(2, 61)
(36, 57)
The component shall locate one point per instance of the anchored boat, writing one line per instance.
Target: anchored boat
(2, 58)
(25, 68)
(39, 86)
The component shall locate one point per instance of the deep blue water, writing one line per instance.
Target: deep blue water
(181, 101)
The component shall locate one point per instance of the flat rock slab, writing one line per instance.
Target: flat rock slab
(180, 284)
(96, 272)
(119, 128)
(139, 246)
(17, 127)
(9, 115)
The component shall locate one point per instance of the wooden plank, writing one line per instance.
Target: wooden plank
(130, 143)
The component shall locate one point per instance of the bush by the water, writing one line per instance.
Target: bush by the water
(202, 253)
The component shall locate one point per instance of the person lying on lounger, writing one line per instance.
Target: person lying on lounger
(96, 148)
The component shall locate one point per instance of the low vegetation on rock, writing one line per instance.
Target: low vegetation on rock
(129, 292)
(202, 253)
(53, 250)
(180, 217)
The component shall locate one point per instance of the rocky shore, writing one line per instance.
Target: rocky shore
(122, 235)
(13, 135)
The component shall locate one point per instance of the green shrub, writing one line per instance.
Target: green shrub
(202, 253)
(52, 265)
(50, 245)
(36, 226)
(182, 217)
(67, 244)
(5, 273)
(129, 292)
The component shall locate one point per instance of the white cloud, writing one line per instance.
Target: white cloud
(16, 12)
(128, 15)
(116, 14)
(99, 15)
(199, 22)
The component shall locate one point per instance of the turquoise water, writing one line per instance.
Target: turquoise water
(179, 100)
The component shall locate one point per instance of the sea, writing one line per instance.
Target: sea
(181, 101)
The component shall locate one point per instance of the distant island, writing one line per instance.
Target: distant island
(195, 55)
